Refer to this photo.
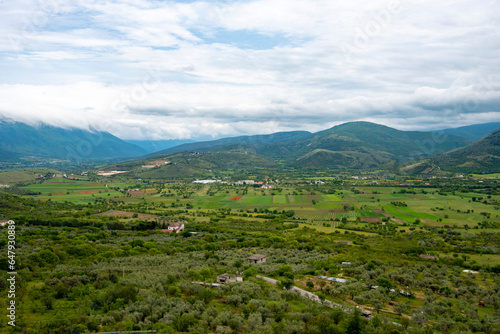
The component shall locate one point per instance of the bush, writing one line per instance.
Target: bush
(182, 323)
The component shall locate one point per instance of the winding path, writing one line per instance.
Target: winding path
(309, 295)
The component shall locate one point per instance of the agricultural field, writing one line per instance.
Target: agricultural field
(100, 247)
(426, 207)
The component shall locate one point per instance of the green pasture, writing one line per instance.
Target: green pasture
(258, 200)
(481, 259)
(398, 214)
(367, 212)
(80, 192)
(279, 199)
(418, 214)
(331, 198)
(24, 175)
(487, 176)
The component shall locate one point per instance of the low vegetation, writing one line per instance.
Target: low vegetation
(399, 255)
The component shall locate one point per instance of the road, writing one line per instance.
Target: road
(309, 295)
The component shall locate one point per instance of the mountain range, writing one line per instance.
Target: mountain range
(45, 141)
(151, 146)
(483, 156)
(354, 145)
(473, 132)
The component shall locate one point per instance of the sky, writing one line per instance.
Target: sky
(151, 70)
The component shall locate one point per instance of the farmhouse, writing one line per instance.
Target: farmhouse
(229, 278)
(175, 227)
(3, 222)
(257, 258)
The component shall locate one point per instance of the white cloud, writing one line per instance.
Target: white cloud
(150, 69)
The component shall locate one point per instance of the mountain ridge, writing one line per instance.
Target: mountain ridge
(368, 138)
(473, 132)
(45, 141)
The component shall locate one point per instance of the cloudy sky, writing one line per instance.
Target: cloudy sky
(144, 69)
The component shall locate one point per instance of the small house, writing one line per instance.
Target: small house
(229, 278)
(257, 258)
(176, 227)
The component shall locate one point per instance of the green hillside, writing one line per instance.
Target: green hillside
(258, 143)
(185, 164)
(321, 158)
(403, 145)
(480, 157)
(21, 140)
(353, 145)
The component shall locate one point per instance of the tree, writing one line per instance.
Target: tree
(254, 321)
(445, 290)
(355, 325)
(173, 291)
(337, 315)
(193, 275)
(285, 284)
(205, 273)
(378, 305)
(250, 272)
(400, 308)
(385, 283)
(445, 324)
(376, 321)
(310, 284)
(284, 269)
(183, 322)
(354, 289)
(419, 317)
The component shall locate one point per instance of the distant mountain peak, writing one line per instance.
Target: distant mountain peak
(19, 139)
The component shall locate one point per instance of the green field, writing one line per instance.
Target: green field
(279, 199)
(418, 214)
(259, 200)
(398, 214)
(25, 175)
(331, 198)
